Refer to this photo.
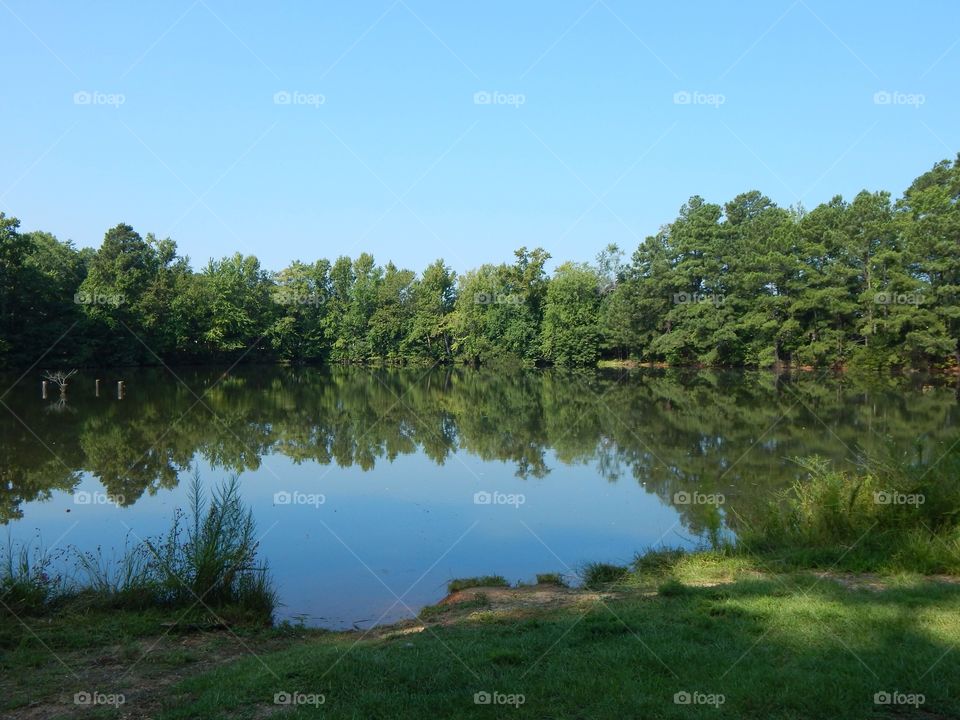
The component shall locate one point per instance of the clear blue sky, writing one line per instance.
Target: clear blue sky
(400, 160)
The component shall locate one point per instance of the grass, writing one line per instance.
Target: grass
(480, 581)
(44, 660)
(598, 576)
(28, 583)
(551, 579)
(207, 559)
(889, 518)
(433, 612)
(772, 647)
(790, 645)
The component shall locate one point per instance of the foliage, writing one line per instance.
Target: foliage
(871, 283)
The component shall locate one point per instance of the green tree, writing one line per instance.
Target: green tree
(392, 320)
(571, 334)
(931, 207)
(238, 306)
(301, 294)
(434, 298)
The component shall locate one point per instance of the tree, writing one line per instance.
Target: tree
(434, 297)
(14, 248)
(571, 334)
(392, 320)
(931, 207)
(870, 283)
(301, 294)
(238, 307)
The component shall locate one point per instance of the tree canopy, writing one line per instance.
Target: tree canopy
(870, 282)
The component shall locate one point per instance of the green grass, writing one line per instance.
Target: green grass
(890, 517)
(480, 581)
(551, 579)
(45, 659)
(28, 583)
(774, 647)
(598, 576)
(207, 559)
(786, 645)
(434, 612)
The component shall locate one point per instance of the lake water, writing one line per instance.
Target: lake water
(372, 488)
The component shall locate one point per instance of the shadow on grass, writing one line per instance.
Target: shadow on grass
(755, 648)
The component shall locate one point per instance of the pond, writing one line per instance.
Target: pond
(372, 488)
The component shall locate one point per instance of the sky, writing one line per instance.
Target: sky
(418, 129)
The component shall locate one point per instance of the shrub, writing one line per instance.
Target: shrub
(657, 562)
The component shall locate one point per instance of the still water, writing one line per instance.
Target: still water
(372, 488)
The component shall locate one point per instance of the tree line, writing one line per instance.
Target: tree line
(871, 282)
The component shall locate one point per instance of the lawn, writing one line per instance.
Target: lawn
(699, 636)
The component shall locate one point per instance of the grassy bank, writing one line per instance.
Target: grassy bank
(889, 517)
(735, 639)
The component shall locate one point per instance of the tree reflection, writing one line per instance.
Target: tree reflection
(671, 431)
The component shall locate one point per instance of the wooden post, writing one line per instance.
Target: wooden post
(98, 387)
(44, 389)
(120, 390)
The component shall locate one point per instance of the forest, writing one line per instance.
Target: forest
(870, 283)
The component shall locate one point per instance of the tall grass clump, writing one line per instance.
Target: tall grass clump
(209, 555)
(888, 516)
(128, 582)
(27, 580)
(207, 561)
(597, 575)
(458, 584)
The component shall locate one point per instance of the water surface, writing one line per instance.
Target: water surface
(372, 488)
